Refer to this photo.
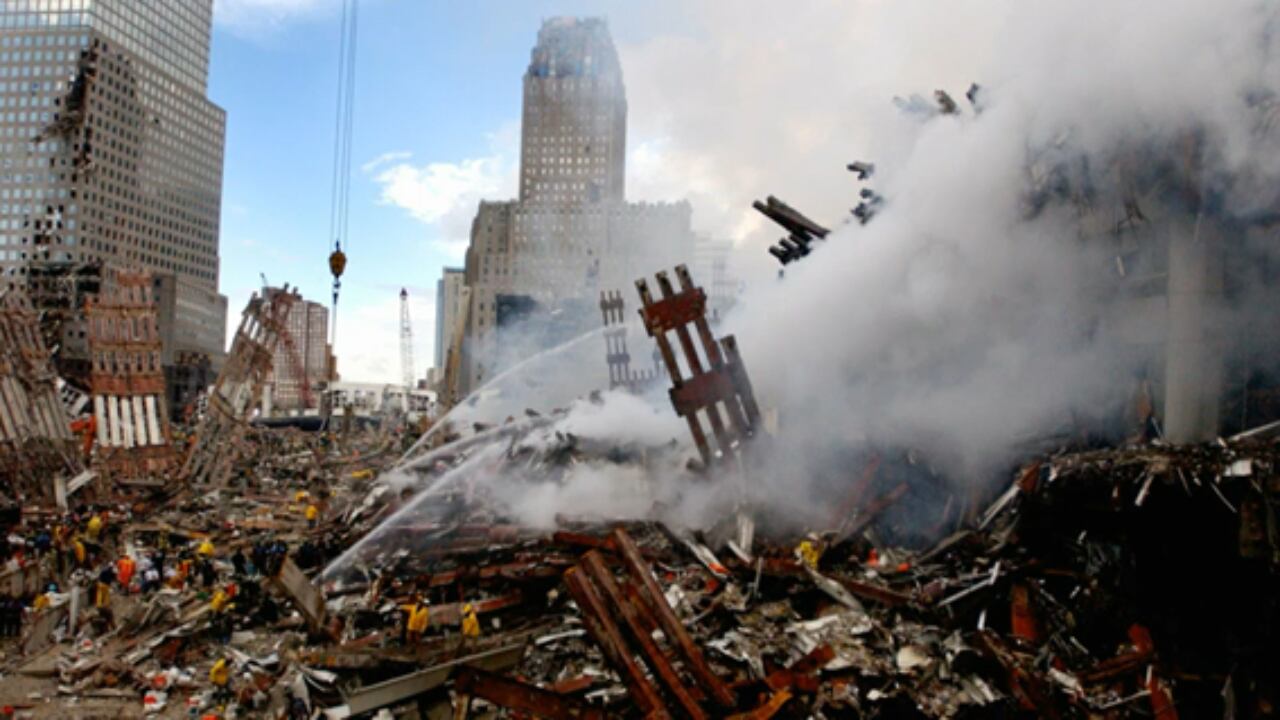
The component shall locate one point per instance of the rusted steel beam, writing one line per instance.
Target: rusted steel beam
(595, 568)
(871, 591)
(1030, 690)
(1022, 618)
(599, 621)
(523, 697)
(875, 508)
(858, 491)
(1162, 706)
(693, 360)
(802, 675)
(720, 380)
(671, 625)
(768, 709)
(573, 685)
(660, 318)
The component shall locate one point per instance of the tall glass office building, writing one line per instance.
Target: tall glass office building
(109, 148)
(111, 154)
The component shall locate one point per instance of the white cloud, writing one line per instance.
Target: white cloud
(384, 159)
(445, 194)
(255, 16)
(368, 346)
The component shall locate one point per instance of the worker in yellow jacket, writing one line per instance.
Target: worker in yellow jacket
(470, 623)
(206, 548)
(220, 674)
(94, 528)
(313, 515)
(417, 619)
(102, 596)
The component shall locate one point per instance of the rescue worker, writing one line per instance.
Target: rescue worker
(470, 623)
(809, 551)
(220, 677)
(206, 548)
(221, 607)
(44, 599)
(313, 515)
(102, 596)
(125, 568)
(94, 528)
(417, 618)
(78, 551)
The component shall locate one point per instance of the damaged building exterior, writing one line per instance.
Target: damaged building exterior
(303, 361)
(114, 156)
(536, 265)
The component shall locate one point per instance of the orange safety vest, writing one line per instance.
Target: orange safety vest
(124, 569)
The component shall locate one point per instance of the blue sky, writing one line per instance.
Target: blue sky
(438, 102)
(728, 102)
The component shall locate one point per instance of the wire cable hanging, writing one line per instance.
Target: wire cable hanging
(344, 124)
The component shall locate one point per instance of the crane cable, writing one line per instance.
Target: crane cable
(343, 130)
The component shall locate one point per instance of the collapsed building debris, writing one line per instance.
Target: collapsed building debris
(36, 443)
(308, 587)
(238, 388)
(621, 374)
(802, 231)
(721, 381)
(126, 380)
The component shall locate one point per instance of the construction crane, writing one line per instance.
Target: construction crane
(406, 340)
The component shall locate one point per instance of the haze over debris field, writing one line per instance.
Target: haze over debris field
(794, 360)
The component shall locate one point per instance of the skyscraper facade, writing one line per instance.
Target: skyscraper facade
(573, 138)
(448, 304)
(110, 150)
(305, 355)
(536, 265)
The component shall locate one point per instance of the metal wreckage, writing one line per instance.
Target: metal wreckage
(334, 575)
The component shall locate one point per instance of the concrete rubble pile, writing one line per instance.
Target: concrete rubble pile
(1077, 592)
(335, 575)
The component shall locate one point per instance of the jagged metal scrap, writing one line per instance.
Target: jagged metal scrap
(239, 387)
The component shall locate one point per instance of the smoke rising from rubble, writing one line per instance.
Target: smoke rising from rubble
(955, 324)
(966, 318)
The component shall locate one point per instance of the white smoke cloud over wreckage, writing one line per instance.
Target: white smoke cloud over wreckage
(980, 308)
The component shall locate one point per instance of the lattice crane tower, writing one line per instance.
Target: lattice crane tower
(406, 340)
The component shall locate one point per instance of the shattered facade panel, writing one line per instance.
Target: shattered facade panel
(127, 381)
(36, 443)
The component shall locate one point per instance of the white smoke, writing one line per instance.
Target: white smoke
(956, 322)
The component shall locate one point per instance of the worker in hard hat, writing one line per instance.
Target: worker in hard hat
(301, 496)
(417, 619)
(470, 623)
(220, 601)
(79, 551)
(94, 528)
(220, 677)
(809, 551)
(313, 515)
(125, 567)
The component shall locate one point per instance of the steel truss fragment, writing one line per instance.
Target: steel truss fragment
(719, 381)
(621, 374)
(239, 387)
